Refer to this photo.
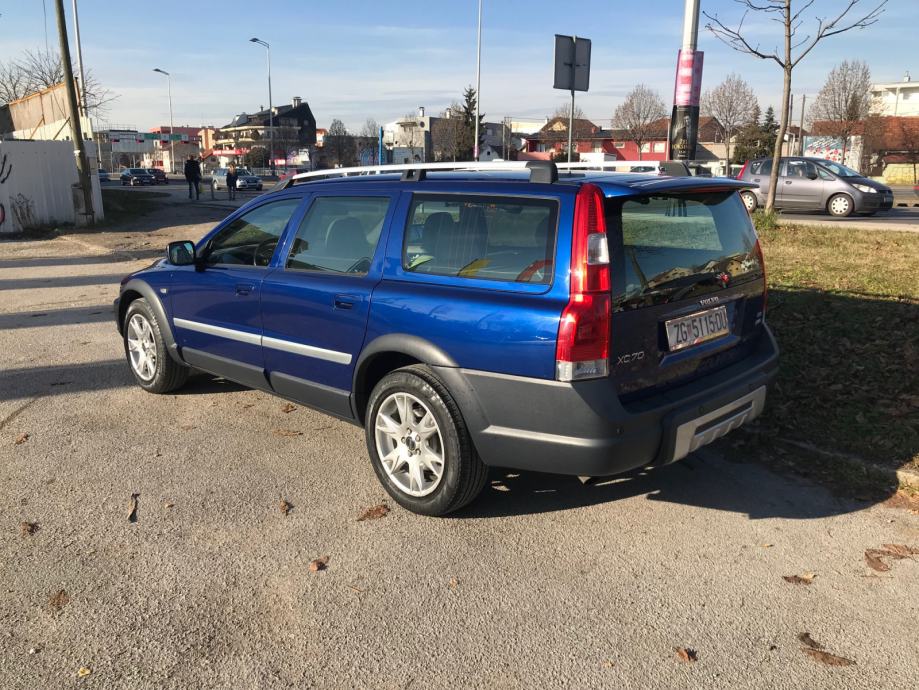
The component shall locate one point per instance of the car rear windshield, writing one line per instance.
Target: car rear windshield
(510, 239)
(668, 247)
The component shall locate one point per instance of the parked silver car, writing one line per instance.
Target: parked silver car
(815, 184)
(244, 179)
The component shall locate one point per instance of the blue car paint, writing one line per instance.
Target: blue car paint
(483, 325)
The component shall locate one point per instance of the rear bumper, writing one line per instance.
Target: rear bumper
(582, 428)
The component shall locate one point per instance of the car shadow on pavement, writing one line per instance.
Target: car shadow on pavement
(60, 281)
(705, 479)
(95, 313)
(48, 261)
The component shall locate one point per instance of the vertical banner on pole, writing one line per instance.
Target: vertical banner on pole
(684, 120)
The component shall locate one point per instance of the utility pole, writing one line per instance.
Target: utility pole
(684, 119)
(478, 85)
(79, 146)
(76, 35)
(801, 126)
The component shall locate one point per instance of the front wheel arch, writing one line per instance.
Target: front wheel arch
(840, 196)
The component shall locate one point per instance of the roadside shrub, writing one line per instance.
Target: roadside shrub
(765, 221)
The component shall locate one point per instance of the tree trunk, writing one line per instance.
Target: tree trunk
(727, 154)
(783, 126)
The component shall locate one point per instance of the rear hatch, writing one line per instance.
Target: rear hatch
(688, 286)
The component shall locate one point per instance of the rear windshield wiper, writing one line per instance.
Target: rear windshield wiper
(682, 284)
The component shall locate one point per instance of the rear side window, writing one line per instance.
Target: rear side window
(761, 167)
(489, 238)
(658, 241)
(339, 234)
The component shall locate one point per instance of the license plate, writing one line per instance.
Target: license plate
(697, 328)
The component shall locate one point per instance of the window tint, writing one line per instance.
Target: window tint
(657, 239)
(492, 238)
(339, 234)
(250, 239)
(761, 167)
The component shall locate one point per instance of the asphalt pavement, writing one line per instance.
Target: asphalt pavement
(545, 581)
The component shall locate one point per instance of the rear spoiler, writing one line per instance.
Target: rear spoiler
(696, 185)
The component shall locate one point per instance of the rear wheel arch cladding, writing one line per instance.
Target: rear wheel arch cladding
(399, 350)
(141, 289)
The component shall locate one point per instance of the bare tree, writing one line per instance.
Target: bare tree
(340, 143)
(794, 49)
(909, 143)
(844, 101)
(41, 69)
(447, 133)
(370, 133)
(642, 107)
(732, 104)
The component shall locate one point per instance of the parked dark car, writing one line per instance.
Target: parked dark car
(159, 175)
(136, 177)
(104, 175)
(582, 322)
(815, 184)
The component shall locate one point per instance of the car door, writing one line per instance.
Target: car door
(315, 304)
(759, 175)
(215, 306)
(800, 186)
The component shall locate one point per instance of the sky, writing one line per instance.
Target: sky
(359, 59)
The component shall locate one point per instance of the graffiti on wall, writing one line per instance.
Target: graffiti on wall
(5, 170)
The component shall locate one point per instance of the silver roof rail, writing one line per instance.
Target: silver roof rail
(540, 171)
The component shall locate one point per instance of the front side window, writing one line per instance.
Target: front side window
(250, 239)
(339, 234)
(801, 169)
(490, 238)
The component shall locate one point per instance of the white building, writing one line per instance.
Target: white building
(896, 98)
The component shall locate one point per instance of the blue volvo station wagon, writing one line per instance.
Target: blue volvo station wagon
(568, 321)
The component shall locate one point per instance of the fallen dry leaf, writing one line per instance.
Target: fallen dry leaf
(58, 600)
(872, 558)
(132, 515)
(901, 550)
(287, 432)
(84, 671)
(22, 438)
(609, 663)
(806, 638)
(285, 506)
(827, 658)
(318, 564)
(802, 579)
(168, 505)
(767, 546)
(288, 408)
(454, 583)
(28, 528)
(374, 513)
(686, 654)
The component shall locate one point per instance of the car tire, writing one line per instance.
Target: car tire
(749, 201)
(123, 183)
(433, 428)
(143, 339)
(840, 205)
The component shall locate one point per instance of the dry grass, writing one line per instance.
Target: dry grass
(844, 306)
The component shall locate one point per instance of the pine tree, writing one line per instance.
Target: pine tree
(467, 135)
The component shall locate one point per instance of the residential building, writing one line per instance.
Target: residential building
(899, 98)
(292, 125)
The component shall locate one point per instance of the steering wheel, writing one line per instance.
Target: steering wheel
(258, 249)
(527, 273)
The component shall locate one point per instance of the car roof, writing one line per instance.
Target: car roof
(612, 184)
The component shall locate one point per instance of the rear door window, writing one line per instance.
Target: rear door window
(660, 243)
(339, 234)
(761, 167)
(506, 239)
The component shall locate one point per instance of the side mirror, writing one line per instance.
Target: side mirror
(812, 176)
(181, 253)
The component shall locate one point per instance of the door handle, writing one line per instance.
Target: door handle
(756, 179)
(344, 302)
(243, 289)
(787, 181)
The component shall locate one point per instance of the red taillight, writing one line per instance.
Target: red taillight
(762, 262)
(742, 170)
(582, 348)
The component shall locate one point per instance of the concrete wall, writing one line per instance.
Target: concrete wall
(37, 181)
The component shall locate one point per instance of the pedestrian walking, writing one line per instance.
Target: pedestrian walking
(193, 177)
(232, 176)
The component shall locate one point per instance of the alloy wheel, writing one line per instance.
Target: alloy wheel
(409, 444)
(142, 347)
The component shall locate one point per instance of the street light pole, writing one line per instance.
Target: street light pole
(76, 31)
(478, 85)
(270, 106)
(172, 147)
